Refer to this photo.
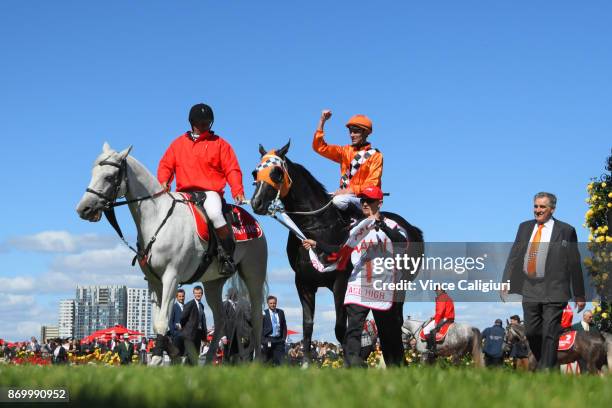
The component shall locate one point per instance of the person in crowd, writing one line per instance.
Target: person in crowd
(274, 333)
(586, 324)
(174, 324)
(125, 350)
(493, 349)
(520, 349)
(142, 350)
(193, 326)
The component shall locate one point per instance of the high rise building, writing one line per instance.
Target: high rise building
(99, 307)
(139, 311)
(48, 332)
(66, 318)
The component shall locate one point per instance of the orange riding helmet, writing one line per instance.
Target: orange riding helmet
(361, 121)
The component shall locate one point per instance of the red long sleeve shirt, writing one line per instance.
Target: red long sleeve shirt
(445, 308)
(208, 163)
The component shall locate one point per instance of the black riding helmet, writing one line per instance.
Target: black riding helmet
(201, 114)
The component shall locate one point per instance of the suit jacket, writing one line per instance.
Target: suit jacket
(189, 322)
(578, 327)
(125, 353)
(266, 333)
(175, 318)
(563, 271)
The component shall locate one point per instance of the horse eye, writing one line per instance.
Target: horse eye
(109, 178)
(276, 175)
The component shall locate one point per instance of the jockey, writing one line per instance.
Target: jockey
(360, 164)
(377, 236)
(201, 161)
(445, 313)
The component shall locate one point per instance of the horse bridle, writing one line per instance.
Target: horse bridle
(110, 200)
(276, 204)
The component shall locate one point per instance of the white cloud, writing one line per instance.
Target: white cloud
(17, 284)
(59, 242)
(281, 275)
(8, 301)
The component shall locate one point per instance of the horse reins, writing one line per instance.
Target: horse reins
(111, 202)
(276, 205)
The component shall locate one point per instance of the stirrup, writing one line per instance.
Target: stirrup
(228, 267)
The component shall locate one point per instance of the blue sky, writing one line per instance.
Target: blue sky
(476, 106)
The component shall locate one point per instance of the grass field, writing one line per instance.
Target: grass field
(91, 386)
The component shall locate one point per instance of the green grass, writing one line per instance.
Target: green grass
(91, 386)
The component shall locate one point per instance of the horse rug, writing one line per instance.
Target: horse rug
(566, 340)
(244, 226)
(440, 335)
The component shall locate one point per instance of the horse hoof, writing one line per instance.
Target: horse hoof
(305, 365)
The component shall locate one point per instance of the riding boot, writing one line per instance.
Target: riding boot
(431, 344)
(226, 250)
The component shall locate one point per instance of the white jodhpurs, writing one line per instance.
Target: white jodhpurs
(213, 208)
(343, 201)
(429, 327)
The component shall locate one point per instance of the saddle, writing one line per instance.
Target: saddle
(440, 335)
(566, 340)
(244, 227)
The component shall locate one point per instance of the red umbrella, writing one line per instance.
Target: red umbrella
(107, 334)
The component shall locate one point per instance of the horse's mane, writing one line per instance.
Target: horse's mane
(315, 184)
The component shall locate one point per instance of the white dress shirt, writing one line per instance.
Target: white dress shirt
(542, 248)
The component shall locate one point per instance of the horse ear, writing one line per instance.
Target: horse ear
(125, 153)
(106, 148)
(262, 151)
(283, 150)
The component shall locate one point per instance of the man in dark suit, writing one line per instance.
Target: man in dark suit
(174, 322)
(193, 326)
(274, 333)
(125, 349)
(544, 267)
(586, 324)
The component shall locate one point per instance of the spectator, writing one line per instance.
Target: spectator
(174, 324)
(60, 353)
(493, 344)
(142, 350)
(193, 326)
(274, 333)
(125, 350)
(586, 324)
(34, 347)
(520, 349)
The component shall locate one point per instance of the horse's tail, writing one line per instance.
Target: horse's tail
(477, 348)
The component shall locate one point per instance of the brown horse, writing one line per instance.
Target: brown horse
(588, 347)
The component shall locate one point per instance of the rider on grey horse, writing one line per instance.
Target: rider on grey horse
(202, 161)
(445, 313)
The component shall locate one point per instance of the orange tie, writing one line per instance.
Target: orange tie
(533, 252)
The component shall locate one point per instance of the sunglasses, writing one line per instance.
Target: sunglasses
(354, 129)
(367, 200)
